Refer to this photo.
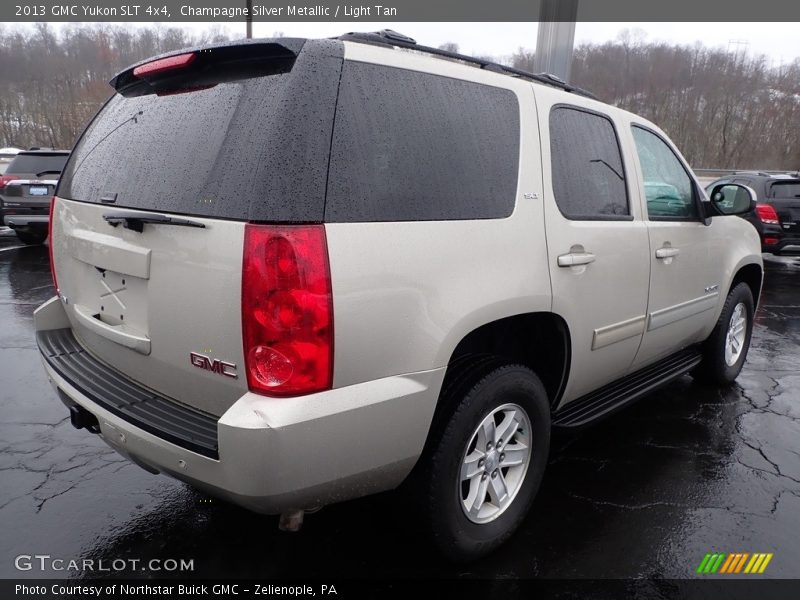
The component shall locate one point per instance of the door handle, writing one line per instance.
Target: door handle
(667, 252)
(121, 334)
(574, 259)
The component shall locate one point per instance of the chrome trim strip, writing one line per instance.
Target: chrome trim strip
(684, 310)
(108, 252)
(611, 334)
(14, 182)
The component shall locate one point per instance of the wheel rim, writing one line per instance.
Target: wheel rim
(737, 330)
(495, 463)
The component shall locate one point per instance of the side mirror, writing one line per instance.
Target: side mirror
(732, 199)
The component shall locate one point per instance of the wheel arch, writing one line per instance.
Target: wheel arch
(539, 340)
(753, 275)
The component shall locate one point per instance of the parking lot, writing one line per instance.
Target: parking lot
(688, 470)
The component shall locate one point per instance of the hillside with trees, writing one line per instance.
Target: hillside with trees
(723, 109)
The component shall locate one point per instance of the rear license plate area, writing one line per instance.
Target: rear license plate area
(38, 190)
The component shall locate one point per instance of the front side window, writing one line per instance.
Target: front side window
(667, 186)
(588, 176)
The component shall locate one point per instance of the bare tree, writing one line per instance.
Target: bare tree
(723, 109)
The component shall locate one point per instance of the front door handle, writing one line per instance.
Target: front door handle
(574, 259)
(667, 252)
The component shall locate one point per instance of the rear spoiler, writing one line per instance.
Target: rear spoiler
(202, 67)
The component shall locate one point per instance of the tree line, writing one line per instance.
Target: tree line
(723, 109)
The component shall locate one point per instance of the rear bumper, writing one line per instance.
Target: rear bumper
(23, 221)
(787, 245)
(277, 454)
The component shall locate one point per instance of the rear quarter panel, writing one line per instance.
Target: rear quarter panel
(405, 293)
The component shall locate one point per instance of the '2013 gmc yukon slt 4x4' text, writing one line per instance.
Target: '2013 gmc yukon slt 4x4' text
(292, 272)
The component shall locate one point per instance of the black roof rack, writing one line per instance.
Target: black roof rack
(387, 37)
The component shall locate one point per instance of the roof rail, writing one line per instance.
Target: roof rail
(757, 172)
(388, 37)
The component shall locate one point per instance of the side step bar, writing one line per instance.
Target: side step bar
(630, 388)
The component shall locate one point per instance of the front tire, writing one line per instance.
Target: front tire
(726, 348)
(482, 473)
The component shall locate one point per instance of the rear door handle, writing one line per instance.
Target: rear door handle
(667, 252)
(574, 259)
(121, 334)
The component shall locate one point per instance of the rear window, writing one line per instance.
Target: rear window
(785, 189)
(250, 149)
(46, 164)
(411, 146)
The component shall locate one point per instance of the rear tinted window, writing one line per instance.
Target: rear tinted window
(47, 164)
(415, 146)
(785, 189)
(588, 176)
(253, 149)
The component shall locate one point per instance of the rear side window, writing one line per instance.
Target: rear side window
(411, 146)
(46, 164)
(588, 176)
(785, 189)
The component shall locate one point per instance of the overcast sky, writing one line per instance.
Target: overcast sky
(779, 41)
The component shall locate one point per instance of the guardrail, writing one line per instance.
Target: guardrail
(735, 171)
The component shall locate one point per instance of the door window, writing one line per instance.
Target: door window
(667, 186)
(588, 176)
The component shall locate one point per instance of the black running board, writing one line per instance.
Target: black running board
(620, 393)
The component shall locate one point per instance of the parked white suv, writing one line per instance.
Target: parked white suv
(292, 272)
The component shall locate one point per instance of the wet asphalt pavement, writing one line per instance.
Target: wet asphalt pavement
(647, 493)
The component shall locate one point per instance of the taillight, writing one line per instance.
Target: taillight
(50, 243)
(287, 309)
(766, 213)
(5, 179)
(770, 241)
(170, 63)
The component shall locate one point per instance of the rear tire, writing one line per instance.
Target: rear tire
(476, 487)
(32, 238)
(726, 348)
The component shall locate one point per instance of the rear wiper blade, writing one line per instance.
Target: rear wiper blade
(46, 172)
(136, 221)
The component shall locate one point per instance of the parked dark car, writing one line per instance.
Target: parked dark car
(777, 213)
(26, 187)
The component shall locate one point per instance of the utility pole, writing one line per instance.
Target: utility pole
(739, 45)
(249, 18)
(556, 37)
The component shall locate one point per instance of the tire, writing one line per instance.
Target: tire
(505, 390)
(721, 364)
(32, 238)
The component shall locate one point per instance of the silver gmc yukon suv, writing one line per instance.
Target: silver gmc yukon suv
(292, 272)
